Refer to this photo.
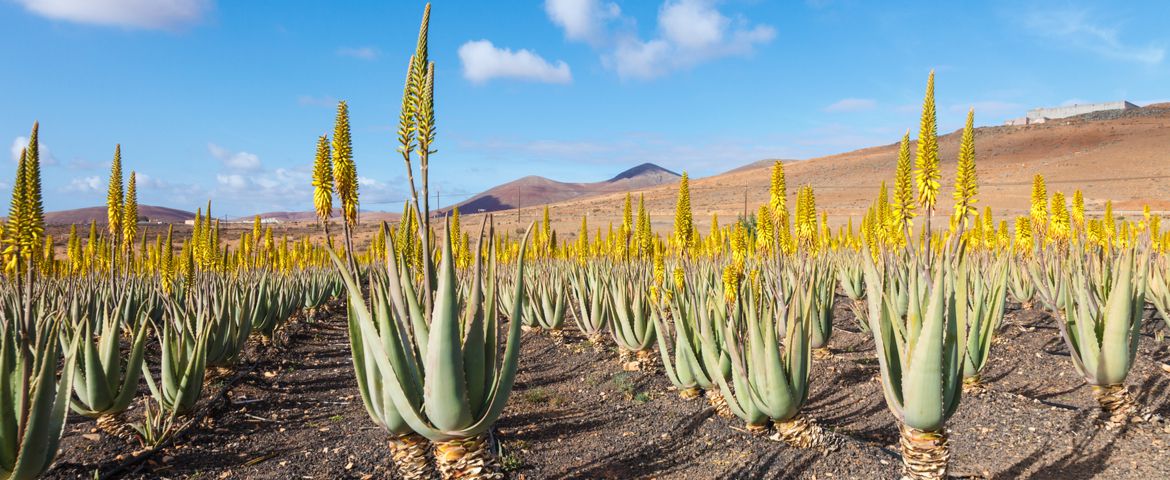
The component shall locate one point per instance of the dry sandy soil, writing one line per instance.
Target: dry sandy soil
(575, 414)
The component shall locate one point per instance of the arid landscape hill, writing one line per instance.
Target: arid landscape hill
(535, 190)
(310, 216)
(150, 213)
(1123, 156)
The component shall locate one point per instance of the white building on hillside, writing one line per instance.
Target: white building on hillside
(1044, 114)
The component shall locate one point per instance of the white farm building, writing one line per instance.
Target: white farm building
(1044, 114)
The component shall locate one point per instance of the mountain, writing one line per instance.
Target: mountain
(767, 162)
(1120, 156)
(146, 213)
(311, 216)
(536, 190)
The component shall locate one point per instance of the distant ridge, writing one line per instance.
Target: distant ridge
(767, 162)
(536, 190)
(643, 170)
(1118, 156)
(147, 213)
(311, 216)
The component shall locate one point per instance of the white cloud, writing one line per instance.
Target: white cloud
(145, 14)
(638, 59)
(154, 189)
(690, 32)
(482, 61)
(582, 20)
(144, 181)
(18, 146)
(851, 105)
(85, 185)
(232, 181)
(1077, 28)
(45, 154)
(692, 24)
(363, 53)
(234, 160)
(376, 192)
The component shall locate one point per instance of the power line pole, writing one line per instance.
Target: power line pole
(745, 205)
(517, 204)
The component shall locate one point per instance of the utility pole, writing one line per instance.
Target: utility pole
(517, 205)
(745, 205)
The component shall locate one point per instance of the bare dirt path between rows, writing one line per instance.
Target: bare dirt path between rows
(575, 414)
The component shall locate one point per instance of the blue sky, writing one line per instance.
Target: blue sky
(224, 100)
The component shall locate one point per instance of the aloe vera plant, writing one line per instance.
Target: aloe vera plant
(1102, 328)
(1159, 292)
(633, 326)
(851, 276)
(980, 315)
(182, 338)
(735, 387)
(1020, 285)
(1048, 273)
(546, 303)
(920, 356)
(591, 296)
(394, 312)
(822, 282)
(226, 308)
(442, 377)
(770, 345)
(683, 324)
(274, 301)
(105, 379)
(316, 288)
(34, 399)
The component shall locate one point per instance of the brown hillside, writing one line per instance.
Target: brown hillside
(150, 213)
(535, 190)
(1122, 156)
(311, 217)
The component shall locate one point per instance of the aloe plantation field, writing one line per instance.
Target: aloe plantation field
(928, 338)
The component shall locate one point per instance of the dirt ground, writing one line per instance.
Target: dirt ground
(575, 414)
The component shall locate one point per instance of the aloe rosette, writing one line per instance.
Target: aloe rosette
(443, 378)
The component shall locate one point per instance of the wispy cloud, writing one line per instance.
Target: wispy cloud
(19, 144)
(288, 189)
(362, 53)
(141, 14)
(582, 20)
(1080, 28)
(689, 32)
(155, 189)
(92, 184)
(851, 105)
(242, 161)
(483, 61)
